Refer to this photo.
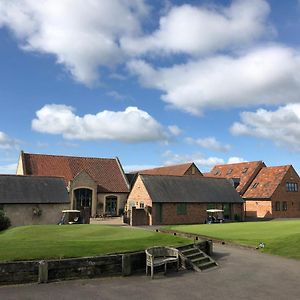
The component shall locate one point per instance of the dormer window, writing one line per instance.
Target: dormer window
(254, 186)
(229, 171)
(217, 173)
(245, 170)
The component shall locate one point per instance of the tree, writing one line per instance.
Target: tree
(4, 221)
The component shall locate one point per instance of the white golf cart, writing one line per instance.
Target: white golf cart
(215, 216)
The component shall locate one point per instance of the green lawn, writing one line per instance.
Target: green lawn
(280, 237)
(53, 241)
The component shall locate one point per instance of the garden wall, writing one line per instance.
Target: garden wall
(76, 268)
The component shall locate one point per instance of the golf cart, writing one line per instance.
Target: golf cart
(70, 216)
(215, 216)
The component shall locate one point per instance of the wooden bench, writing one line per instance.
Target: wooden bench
(161, 256)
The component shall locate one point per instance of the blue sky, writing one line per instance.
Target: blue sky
(152, 82)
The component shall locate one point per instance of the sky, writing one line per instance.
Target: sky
(151, 82)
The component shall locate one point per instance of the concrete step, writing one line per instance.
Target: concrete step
(207, 265)
(196, 259)
(190, 251)
(193, 255)
(200, 260)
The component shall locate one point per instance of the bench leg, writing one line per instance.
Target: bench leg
(152, 271)
(165, 269)
(146, 270)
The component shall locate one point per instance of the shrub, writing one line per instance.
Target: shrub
(4, 221)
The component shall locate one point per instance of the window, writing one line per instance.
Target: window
(254, 186)
(217, 173)
(181, 208)
(245, 170)
(284, 206)
(229, 171)
(142, 205)
(291, 187)
(277, 206)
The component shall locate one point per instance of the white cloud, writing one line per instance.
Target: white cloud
(8, 169)
(268, 75)
(116, 95)
(235, 160)
(209, 143)
(282, 126)
(175, 130)
(201, 29)
(82, 34)
(7, 142)
(204, 163)
(132, 168)
(131, 126)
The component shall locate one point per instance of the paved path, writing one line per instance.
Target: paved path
(243, 274)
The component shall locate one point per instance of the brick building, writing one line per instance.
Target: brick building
(97, 183)
(269, 192)
(187, 169)
(164, 199)
(273, 194)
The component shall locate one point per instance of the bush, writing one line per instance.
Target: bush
(4, 221)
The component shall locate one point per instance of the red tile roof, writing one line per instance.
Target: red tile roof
(175, 170)
(245, 171)
(266, 182)
(106, 172)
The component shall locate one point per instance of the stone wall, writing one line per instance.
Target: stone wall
(76, 268)
(19, 272)
(34, 214)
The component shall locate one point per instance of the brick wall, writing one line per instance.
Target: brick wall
(258, 209)
(139, 194)
(196, 213)
(292, 198)
(265, 208)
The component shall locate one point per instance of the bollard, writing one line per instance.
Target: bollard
(43, 271)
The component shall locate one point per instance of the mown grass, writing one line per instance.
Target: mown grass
(53, 241)
(280, 237)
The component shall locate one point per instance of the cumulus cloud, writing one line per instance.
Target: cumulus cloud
(202, 29)
(82, 34)
(131, 125)
(132, 168)
(204, 163)
(210, 143)
(235, 160)
(282, 126)
(8, 169)
(268, 75)
(7, 142)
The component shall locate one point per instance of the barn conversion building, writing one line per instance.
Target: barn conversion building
(97, 183)
(164, 199)
(269, 192)
(33, 199)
